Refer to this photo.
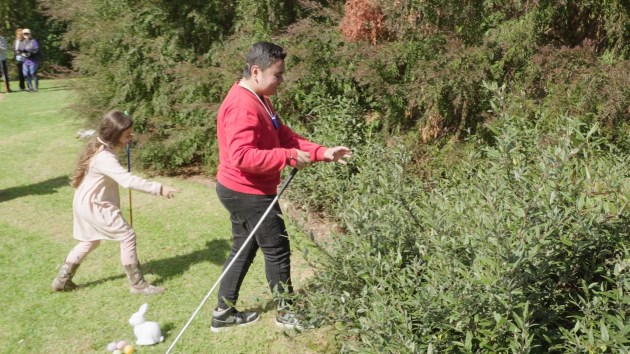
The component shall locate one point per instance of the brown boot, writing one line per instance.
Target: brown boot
(63, 281)
(137, 284)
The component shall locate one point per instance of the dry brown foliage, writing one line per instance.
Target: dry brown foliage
(363, 20)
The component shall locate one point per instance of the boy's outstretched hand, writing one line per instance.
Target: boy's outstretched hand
(168, 192)
(338, 154)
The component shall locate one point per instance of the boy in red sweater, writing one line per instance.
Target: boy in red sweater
(254, 147)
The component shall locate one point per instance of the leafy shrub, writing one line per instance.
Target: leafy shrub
(171, 64)
(519, 247)
(570, 23)
(150, 58)
(575, 82)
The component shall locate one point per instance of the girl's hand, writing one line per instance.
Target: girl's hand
(168, 192)
(338, 154)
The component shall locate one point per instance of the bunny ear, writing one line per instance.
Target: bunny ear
(143, 309)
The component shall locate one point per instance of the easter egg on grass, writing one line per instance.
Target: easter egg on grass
(111, 347)
(129, 349)
(121, 345)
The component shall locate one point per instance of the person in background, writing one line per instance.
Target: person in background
(29, 49)
(19, 59)
(3, 62)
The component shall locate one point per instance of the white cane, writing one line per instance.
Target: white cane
(275, 200)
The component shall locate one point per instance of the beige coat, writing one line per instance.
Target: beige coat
(96, 205)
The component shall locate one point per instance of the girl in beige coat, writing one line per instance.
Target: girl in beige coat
(96, 205)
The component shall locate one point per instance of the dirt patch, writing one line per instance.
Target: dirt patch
(321, 228)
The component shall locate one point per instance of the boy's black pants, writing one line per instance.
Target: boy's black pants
(271, 237)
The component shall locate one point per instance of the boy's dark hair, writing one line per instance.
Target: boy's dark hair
(262, 54)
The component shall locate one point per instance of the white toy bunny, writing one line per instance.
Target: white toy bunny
(147, 333)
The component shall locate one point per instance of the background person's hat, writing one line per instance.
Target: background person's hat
(26, 30)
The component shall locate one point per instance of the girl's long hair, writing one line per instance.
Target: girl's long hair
(112, 126)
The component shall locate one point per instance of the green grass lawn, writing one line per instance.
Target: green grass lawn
(182, 244)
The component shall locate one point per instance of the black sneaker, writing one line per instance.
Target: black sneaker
(226, 319)
(287, 319)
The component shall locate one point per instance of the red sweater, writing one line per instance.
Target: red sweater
(251, 151)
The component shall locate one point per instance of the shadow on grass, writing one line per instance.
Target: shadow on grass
(167, 328)
(263, 306)
(46, 89)
(55, 88)
(49, 186)
(216, 252)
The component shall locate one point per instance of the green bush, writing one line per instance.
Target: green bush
(575, 82)
(517, 247)
(171, 64)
